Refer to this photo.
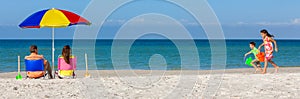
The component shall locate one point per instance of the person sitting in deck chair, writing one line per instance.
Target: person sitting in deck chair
(66, 63)
(35, 56)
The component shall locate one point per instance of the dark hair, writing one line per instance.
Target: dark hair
(33, 49)
(266, 32)
(253, 43)
(66, 53)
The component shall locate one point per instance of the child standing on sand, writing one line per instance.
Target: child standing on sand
(255, 63)
(268, 45)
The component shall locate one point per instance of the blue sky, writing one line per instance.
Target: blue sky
(240, 19)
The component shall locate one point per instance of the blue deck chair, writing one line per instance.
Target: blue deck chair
(35, 68)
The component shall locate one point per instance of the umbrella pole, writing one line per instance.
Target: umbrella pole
(53, 49)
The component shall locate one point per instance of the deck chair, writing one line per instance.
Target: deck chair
(65, 70)
(35, 68)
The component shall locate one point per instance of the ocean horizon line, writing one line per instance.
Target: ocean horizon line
(144, 39)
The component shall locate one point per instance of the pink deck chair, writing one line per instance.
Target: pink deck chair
(65, 69)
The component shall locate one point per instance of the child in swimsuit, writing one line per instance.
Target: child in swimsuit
(255, 63)
(268, 45)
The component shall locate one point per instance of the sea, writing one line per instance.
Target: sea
(148, 54)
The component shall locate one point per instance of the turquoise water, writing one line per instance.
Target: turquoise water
(141, 51)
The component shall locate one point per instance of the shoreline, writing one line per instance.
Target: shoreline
(99, 73)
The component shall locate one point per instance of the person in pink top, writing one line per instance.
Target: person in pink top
(269, 49)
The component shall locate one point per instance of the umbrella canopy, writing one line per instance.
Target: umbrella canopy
(53, 18)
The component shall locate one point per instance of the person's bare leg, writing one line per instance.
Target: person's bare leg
(48, 68)
(259, 66)
(253, 64)
(275, 66)
(265, 67)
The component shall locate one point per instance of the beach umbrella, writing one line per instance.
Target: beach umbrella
(53, 18)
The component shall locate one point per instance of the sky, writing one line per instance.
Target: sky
(239, 19)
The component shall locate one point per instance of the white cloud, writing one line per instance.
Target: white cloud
(116, 21)
(123, 21)
(157, 21)
(296, 21)
(265, 23)
(148, 21)
(242, 23)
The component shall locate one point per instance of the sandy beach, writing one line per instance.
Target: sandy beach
(220, 84)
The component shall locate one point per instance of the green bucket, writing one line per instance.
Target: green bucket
(248, 61)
